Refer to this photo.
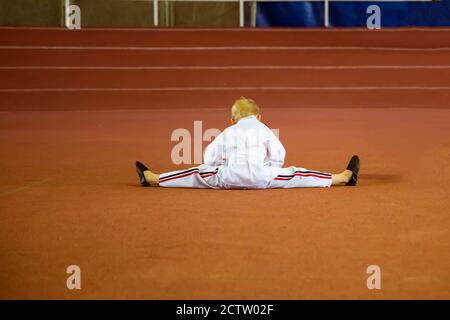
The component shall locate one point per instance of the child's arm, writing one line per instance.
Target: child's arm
(275, 151)
(215, 152)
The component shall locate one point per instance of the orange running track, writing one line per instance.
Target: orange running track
(78, 108)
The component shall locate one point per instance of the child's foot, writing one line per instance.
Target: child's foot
(152, 178)
(141, 169)
(353, 168)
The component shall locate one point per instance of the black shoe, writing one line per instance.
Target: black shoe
(353, 166)
(140, 168)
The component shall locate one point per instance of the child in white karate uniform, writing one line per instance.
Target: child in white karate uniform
(247, 155)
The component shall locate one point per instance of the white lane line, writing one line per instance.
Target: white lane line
(224, 48)
(261, 88)
(28, 186)
(340, 67)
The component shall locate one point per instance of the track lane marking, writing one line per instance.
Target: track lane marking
(259, 88)
(224, 48)
(256, 67)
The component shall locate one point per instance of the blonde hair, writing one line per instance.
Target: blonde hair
(244, 107)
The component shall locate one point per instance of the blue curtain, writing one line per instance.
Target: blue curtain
(352, 14)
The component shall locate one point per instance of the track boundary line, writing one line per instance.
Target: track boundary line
(223, 48)
(258, 88)
(87, 109)
(261, 67)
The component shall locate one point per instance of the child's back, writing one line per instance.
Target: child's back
(247, 151)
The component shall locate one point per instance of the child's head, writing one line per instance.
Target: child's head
(242, 108)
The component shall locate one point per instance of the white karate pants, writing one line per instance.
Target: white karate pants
(205, 176)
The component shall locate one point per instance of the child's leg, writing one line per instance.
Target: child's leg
(294, 177)
(197, 177)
